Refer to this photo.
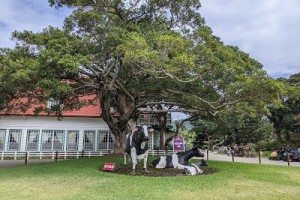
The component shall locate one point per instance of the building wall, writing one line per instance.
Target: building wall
(25, 123)
(156, 139)
(43, 124)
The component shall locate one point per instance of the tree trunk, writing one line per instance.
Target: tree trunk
(277, 118)
(118, 125)
(277, 129)
(210, 145)
(119, 143)
(162, 118)
(278, 135)
(162, 138)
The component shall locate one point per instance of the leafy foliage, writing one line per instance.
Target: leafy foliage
(233, 127)
(132, 55)
(284, 113)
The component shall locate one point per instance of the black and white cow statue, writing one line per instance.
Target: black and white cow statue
(178, 160)
(136, 146)
(194, 168)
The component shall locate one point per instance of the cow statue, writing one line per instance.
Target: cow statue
(194, 168)
(177, 160)
(136, 146)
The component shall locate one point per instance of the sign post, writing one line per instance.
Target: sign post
(178, 144)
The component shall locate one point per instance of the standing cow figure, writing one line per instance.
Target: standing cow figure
(136, 146)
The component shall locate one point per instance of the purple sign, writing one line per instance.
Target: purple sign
(178, 144)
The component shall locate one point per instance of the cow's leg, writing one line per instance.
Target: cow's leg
(134, 162)
(133, 159)
(179, 166)
(124, 158)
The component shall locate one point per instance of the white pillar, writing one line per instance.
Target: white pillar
(107, 141)
(96, 141)
(80, 140)
(152, 145)
(23, 141)
(6, 140)
(65, 140)
(40, 141)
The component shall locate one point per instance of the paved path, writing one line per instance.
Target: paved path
(223, 157)
(9, 163)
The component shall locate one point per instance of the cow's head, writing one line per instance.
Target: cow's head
(143, 133)
(196, 152)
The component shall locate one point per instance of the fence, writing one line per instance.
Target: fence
(17, 155)
(50, 154)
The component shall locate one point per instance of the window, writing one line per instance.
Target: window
(2, 139)
(52, 103)
(156, 138)
(14, 140)
(72, 140)
(89, 140)
(52, 140)
(101, 143)
(106, 140)
(150, 140)
(111, 141)
(33, 138)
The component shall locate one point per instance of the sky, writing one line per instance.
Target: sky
(268, 30)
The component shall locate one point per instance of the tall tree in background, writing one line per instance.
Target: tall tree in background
(132, 55)
(232, 126)
(283, 113)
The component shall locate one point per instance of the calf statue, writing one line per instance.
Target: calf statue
(136, 146)
(177, 160)
(194, 168)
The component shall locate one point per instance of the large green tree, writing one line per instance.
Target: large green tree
(132, 55)
(233, 126)
(283, 112)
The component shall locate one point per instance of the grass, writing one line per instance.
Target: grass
(80, 179)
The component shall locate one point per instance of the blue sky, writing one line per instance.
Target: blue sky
(268, 30)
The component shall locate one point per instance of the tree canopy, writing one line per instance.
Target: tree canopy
(284, 112)
(132, 55)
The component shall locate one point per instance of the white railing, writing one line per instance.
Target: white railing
(67, 154)
(160, 152)
(51, 154)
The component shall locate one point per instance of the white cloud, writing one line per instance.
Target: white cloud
(266, 29)
(31, 15)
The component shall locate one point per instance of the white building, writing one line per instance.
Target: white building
(79, 130)
(28, 133)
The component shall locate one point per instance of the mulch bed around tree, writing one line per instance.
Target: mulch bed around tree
(127, 170)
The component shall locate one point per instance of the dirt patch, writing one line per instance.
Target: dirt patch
(114, 155)
(127, 170)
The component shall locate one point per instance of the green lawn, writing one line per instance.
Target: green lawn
(80, 179)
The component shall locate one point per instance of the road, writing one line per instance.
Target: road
(224, 157)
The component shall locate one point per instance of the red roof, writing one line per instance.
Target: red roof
(93, 111)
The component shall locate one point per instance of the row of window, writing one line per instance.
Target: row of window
(56, 140)
(151, 119)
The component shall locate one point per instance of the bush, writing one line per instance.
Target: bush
(267, 145)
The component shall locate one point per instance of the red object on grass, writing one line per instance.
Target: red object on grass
(109, 167)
